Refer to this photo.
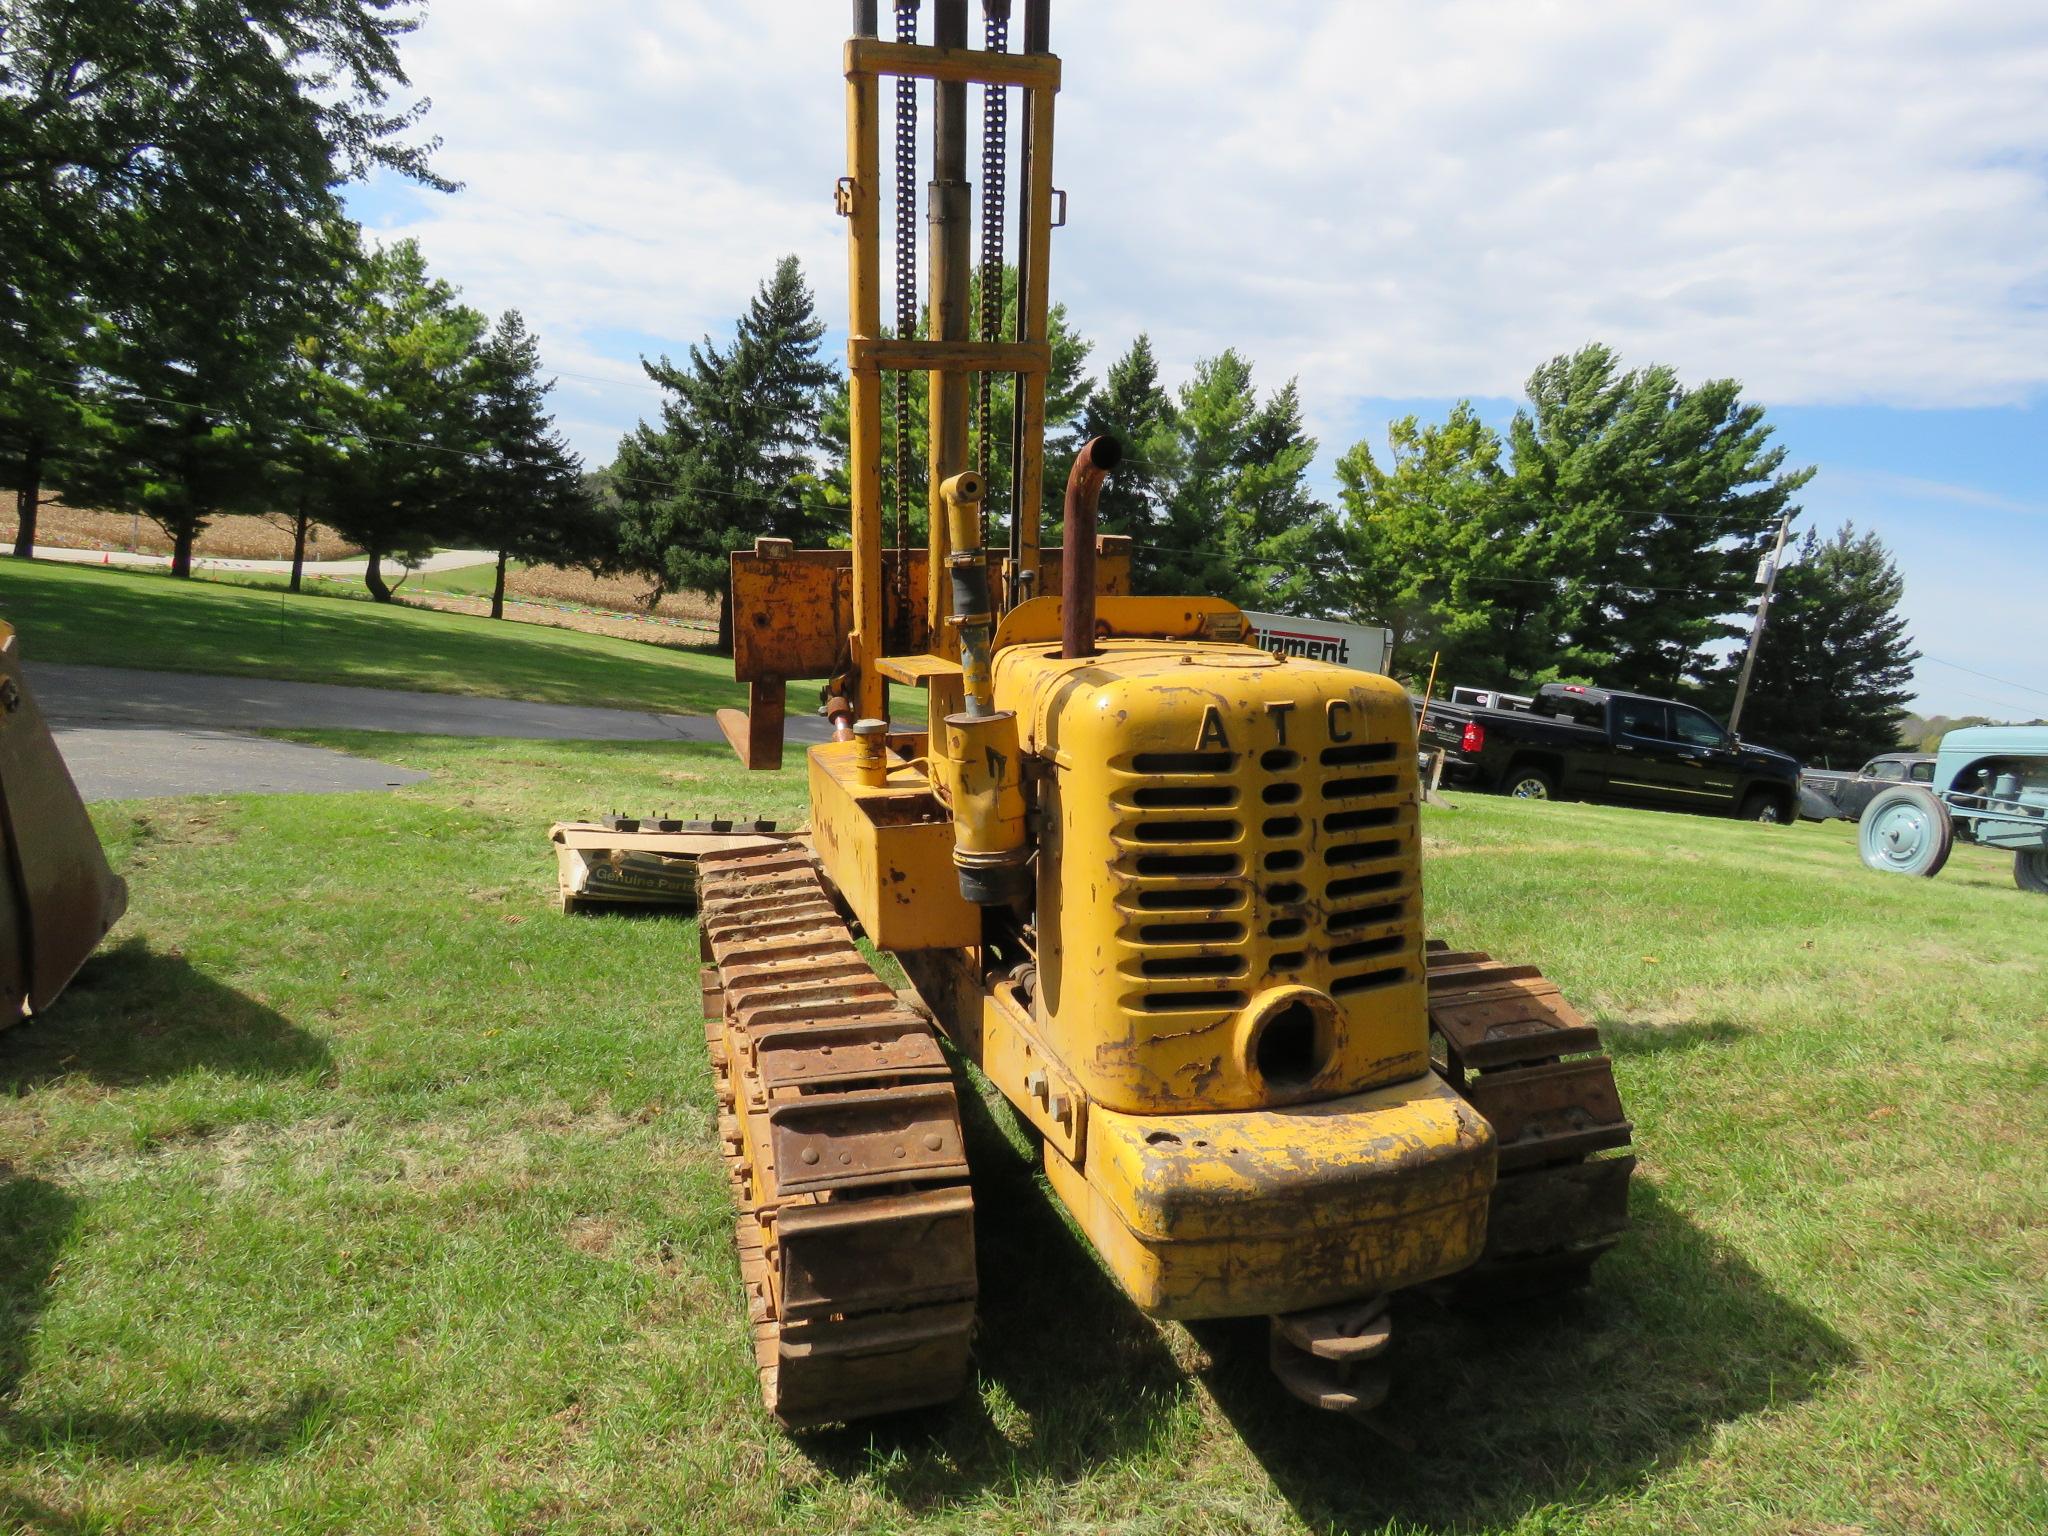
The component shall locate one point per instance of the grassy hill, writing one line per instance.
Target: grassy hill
(353, 1188)
(111, 617)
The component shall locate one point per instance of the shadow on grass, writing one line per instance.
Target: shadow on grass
(1555, 1404)
(37, 1219)
(135, 1015)
(1520, 1408)
(1077, 1375)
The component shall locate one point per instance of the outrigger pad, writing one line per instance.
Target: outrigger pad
(58, 897)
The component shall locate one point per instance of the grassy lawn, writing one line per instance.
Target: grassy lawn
(352, 1188)
(107, 616)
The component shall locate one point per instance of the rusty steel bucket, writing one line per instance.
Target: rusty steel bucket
(58, 897)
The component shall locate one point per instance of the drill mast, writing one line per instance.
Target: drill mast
(951, 356)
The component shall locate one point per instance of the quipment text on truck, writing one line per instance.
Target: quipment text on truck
(1598, 744)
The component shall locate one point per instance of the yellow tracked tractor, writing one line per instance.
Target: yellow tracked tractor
(1161, 887)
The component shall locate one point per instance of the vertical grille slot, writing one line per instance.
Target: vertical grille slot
(1358, 752)
(1187, 865)
(1363, 917)
(1217, 831)
(1184, 762)
(1360, 853)
(1366, 949)
(1186, 966)
(1191, 1002)
(1183, 797)
(1192, 933)
(1190, 898)
(1344, 789)
(1352, 821)
(1366, 981)
(1358, 885)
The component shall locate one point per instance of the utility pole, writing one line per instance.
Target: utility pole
(1756, 629)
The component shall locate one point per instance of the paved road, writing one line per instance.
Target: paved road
(144, 762)
(130, 733)
(439, 560)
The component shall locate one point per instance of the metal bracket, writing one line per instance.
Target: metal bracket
(1060, 221)
(843, 193)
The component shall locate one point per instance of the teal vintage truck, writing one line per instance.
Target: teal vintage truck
(1990, 787)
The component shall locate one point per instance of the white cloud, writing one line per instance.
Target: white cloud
(1833, 204)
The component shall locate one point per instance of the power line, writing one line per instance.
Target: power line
(2003, 682)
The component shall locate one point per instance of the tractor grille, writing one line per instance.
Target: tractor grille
(1239, 871)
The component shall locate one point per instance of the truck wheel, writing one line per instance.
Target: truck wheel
(2030, 870)
(1905, 831)
(1764, 806)
(1531, 784)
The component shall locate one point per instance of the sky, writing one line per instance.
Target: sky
(1399, 204)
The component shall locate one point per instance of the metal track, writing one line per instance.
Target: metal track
(841, 1134)
(1529, 1063)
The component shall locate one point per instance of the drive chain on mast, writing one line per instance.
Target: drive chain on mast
(906, 299)
(995, 126)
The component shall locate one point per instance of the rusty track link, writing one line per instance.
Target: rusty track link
(841, 1135)
(1531, 1065)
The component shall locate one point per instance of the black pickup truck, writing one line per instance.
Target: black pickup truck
(1596, 744)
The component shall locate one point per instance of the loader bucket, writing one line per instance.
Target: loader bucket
(58, 898)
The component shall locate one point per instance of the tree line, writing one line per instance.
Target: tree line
(192, 327)
(1612, 533)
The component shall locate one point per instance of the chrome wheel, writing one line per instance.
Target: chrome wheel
(1529, 787)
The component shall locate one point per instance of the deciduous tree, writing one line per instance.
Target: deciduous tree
(155, 151)
(401, 395)
(1435, 551)
(1655, 502)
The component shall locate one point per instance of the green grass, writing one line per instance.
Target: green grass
(352, 1188)
(107, 616)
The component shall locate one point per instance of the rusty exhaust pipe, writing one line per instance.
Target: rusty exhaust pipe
(1077, 562)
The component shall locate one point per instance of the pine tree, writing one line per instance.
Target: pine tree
(1835, 666)
(525, 497)
(1240, 522)
(1133, 407)
(732, 459)
(1656, 502)
(1281, 538)
(1215, 414)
